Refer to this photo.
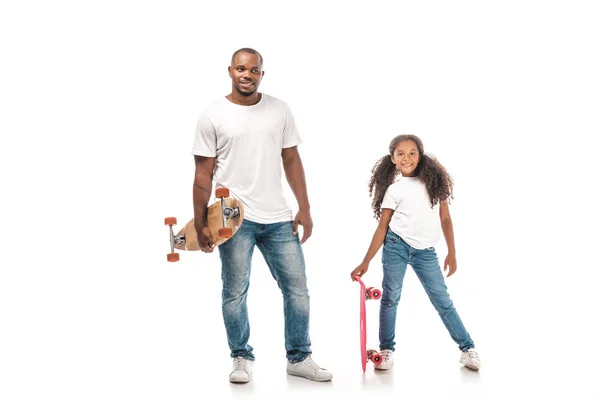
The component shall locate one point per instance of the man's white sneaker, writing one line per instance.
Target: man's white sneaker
(387, 360)
(470, 359)
(308, 369)
(242, 370)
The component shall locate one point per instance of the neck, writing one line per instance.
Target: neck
(237, 98)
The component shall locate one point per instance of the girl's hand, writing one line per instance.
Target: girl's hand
(450, 264)
(359, 271)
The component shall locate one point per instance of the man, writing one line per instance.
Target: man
(241, 141)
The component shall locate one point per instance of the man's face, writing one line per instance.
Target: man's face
(246, 72)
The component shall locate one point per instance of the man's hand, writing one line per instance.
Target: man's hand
(303, 218)
(206, 244)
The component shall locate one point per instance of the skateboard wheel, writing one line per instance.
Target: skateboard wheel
(170, 221)
(225, 232)
(373, 293)
(173, 257)
(375, 358)
(222, 192)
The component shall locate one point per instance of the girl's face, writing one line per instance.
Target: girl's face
(406, 157)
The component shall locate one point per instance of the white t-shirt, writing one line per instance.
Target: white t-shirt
(247, 143)
(414, 220)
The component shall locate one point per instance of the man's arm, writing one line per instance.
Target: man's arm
(294, 173)
(201, 195)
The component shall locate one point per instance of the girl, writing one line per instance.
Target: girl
(410, 197)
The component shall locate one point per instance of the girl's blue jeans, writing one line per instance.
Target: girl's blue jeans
(396, 255)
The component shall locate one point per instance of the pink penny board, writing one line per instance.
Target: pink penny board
(370, 293)
(363, 325)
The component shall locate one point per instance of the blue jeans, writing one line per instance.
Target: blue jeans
(282, 252)
(396, 255)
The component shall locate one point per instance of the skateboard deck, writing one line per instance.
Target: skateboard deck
(224, 217)
(365, 355)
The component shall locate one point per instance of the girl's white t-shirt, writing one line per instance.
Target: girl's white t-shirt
(247, 142)
(414, 220)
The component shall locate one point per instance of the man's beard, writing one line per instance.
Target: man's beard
(245, 94)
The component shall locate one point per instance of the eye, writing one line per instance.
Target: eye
(255, 71)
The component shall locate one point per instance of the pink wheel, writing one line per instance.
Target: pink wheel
(375, 357)
(373, 293)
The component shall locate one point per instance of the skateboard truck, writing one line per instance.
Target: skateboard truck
(226, 212)
(172, 256)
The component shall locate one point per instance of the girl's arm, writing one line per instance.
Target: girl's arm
(448, 230)
(376, 242)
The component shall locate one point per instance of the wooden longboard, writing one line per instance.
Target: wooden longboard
(222, 222)
(365, 294)
(214, 222)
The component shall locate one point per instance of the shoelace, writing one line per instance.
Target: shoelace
(239, 363)
(387, 355)
(473, 354)
(311, 364)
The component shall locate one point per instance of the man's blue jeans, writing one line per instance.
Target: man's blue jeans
(282, 252)
(396, 255)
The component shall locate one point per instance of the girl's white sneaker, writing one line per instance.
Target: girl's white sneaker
(387, 360)
(470, 359)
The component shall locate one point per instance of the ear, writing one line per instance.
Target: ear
(229, 71)
(262, 74)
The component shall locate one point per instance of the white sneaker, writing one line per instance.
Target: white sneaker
(308, 369)
(387, 360)
(470, 359)
(242, 370)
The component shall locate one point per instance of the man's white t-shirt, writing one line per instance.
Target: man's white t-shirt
(414, 220)
(247, 143)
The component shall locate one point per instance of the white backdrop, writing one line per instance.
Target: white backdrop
(99, 104)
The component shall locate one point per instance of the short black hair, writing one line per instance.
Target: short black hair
(247, 50)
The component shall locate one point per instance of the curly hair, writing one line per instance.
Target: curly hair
(438, 182)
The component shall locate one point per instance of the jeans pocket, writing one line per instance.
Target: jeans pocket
(391, 237)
